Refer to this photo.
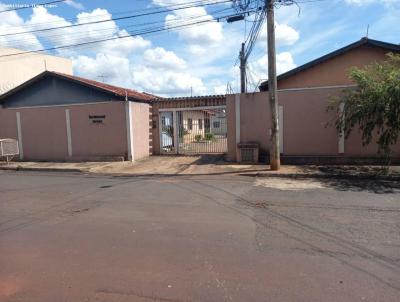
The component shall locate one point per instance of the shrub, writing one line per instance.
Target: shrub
(209, 136)
(198, 137)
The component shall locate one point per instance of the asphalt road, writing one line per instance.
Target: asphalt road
(66, 237)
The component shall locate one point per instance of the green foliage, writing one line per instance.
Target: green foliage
(169, 130)
(198, 137)
(183, 132)
(209, 136)
(374, 105)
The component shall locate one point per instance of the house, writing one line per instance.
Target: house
(16, 66)
(306, 130)
(332, 69)
(60, 117)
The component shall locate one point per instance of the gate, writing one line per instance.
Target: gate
(193, 130)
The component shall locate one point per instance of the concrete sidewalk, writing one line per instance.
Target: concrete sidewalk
(203, 165)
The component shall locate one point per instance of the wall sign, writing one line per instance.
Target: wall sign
(97, 119)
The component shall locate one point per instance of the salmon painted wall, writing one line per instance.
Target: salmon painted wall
(305, 129)
(103, 139)
(334, 71)
(44, 131)
(141, 129)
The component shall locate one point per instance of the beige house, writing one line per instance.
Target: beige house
(16, 69)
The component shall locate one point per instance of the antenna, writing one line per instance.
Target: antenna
(102, 76)
(45, 65)
(367, 31)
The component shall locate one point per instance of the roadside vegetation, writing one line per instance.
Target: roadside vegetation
(373, 106)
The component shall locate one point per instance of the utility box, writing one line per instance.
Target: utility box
(8, 148)
(247, 153)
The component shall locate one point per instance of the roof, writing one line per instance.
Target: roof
(363, 41)
(187, 98)
(116, 90)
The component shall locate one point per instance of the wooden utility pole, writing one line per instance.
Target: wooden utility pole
(242, 70)
(274, 154)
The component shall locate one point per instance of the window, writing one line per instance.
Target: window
(200, 124)
(216, 124)
(190, 124)
(207, 124)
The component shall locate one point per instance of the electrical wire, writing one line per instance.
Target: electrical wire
(130, 34)
(82, 18)
(112, 19)
(31, 5)
(60, 37)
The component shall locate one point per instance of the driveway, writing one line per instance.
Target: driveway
(76, 237)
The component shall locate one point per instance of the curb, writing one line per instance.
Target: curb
(258, 174)
(42, 169)
(326, 176)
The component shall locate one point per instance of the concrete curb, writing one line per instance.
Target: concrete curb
(43, 169)
(327, 176)
(343, 176)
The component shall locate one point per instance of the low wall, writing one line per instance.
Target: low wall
(96, 131)
(141, 129)
(305, 130)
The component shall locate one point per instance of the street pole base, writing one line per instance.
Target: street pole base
(275, 164)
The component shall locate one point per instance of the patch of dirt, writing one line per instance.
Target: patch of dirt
(287, 184)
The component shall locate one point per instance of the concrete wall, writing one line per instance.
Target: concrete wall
(305, 130)
(334, 71)
(141, 129)
(15, 70)
(44, 131)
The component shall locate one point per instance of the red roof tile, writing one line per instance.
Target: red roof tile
(120, 91)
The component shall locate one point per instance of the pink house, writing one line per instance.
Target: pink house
(59, 117)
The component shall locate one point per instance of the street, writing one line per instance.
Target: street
(83, 237)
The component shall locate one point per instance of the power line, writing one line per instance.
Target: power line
(112, 30)
(39, 24)
(30, 6)
(146, 32)
(114, 19)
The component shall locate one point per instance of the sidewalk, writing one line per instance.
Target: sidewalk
(203, 165)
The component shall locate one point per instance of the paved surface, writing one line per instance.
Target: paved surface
(74, 237)
(197, 165)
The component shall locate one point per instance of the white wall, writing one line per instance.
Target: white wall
(15, 70)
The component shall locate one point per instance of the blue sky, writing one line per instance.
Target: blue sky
(199, 57)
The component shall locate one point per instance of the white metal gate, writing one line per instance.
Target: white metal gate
(193, 130)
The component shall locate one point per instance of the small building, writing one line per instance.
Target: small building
(60, 117)
(17, 67)
(303, 95)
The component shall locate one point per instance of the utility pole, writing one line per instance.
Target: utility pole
(242, 70)
(274, 153)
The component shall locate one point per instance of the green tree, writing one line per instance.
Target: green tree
(374, 105)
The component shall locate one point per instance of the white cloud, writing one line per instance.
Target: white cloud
(75, 4)
(10, 22)
(284, 34)
(201, 34)
(160, 58)
(166, 82)
(87, 33)
(259, 68)
(160, 71)
(114, 69)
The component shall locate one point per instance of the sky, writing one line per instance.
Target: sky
(200, 59)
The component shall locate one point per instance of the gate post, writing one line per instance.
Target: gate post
(176, 129)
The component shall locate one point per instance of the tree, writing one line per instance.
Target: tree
(374, 105)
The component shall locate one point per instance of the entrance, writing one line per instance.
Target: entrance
(193, 130)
